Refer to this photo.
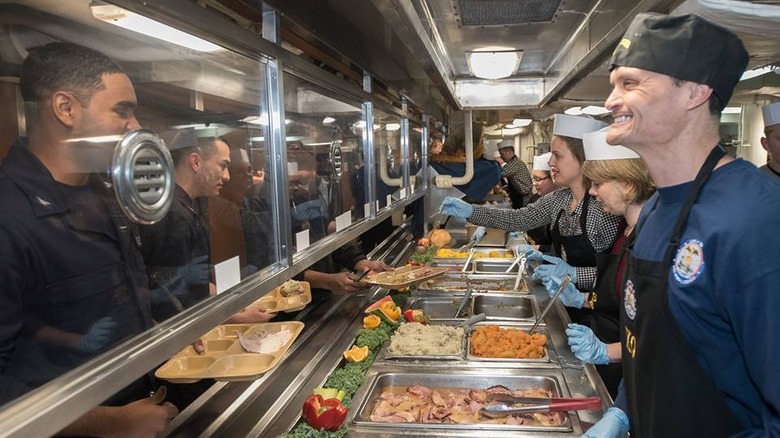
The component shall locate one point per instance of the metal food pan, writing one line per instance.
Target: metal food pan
(385, 354)
(543, 359)
(494, 266)
(505, 307)
(453, 265)
(440, 307)
(383, 381)
(497, 283)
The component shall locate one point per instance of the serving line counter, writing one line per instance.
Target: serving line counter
(271, 405)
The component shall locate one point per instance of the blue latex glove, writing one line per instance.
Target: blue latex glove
(557, 268)
(529, 251)
(308, 210)
(98, 336)
(570, 296)
(196, 271)
(456, 208)
(586, 346)
(478, 235)
(614, 424)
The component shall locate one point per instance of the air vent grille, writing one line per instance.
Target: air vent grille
(507, 12)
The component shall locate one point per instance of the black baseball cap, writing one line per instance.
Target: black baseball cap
(685, 47)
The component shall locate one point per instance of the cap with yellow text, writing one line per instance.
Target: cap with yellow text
(685, 47)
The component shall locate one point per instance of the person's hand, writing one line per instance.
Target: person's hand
(557, 268)
(196, 271)
(570, 296)
(199, 346)
(252, 315)
(306, 211)
(529, 252)
(477, 235)
(372, 265)
(98, 336)
(145, 418)
(456, 208)
(614, 424)
(343, 283)
(586, 346)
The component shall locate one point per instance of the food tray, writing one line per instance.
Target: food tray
(383, 381)
(507, 361)
(404, 276)
(486, 283)
(274, 301)
(224, 358)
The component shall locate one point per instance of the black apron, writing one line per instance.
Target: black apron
(579, 253)
(515, 196)
(668, 393)
(605, 321)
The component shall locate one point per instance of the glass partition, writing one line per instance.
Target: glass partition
(324, 161)
(78, 275)
(388, 151)
(415, 155)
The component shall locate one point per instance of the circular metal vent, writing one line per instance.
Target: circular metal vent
(335, 160)
(143, 178)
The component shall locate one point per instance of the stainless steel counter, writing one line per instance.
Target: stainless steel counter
(272, 404)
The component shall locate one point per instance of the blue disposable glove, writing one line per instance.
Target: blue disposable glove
(558, 268)
(614, 424)
(196, 271)
(455, 207)
(570, 296)
(98, 336)
(529, 251)
(586, 346)
(308, 210)
(478, 235)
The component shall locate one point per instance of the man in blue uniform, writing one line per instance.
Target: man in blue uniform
(700, 294)
(71, 279)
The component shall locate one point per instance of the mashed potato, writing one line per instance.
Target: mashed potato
(415, 339)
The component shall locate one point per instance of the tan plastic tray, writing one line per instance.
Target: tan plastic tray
(404, 276)
(274, 301)
(224, 358)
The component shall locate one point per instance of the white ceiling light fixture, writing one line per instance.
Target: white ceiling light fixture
(521, 122)
(732, 110)
(393, 126)
(574, 111)
(146, 26)
(494, 63)
(328, 120)
(595, 110)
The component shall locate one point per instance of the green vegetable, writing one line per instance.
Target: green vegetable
(303, 430)
(425, 257)
(327, 393)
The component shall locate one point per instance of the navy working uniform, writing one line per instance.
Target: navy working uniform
(699, 298)
(72, 284)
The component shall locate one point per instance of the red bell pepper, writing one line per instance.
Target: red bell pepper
(324, 414)
(415, 315)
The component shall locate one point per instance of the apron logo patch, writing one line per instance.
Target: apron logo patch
(629, 300)
(689, 261)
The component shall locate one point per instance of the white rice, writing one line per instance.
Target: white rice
(415, 339)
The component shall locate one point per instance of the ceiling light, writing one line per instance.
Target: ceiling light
(494, 64)
(521, 122)
(328, 119)
(262, 119)
(511, 126)
(574, 111)
(732, 110)
(146, 26)
(393, 126)
(595, 110)
(749, 74)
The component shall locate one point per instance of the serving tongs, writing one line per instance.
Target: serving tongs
(463, 302)
(565, 282)
(538, 404)
(468, 259)
(439, 223)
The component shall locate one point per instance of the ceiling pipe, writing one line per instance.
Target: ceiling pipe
(447, 181)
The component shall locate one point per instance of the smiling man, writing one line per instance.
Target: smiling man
(699, 331)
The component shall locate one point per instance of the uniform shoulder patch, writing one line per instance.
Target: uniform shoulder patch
(689, 261)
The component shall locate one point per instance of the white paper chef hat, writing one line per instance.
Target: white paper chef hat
(575, 126)
(771, 114)
(540, 161)
(506, 144)
(597, 148)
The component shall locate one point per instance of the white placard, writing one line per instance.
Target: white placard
(301, 240)
(377, 205)
(367, 209)
(403, 193)
(343, 220)
(389, 200)
(228, 274)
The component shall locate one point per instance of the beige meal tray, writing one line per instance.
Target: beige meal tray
(404, 276)
(225, 359)
(274, 301)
